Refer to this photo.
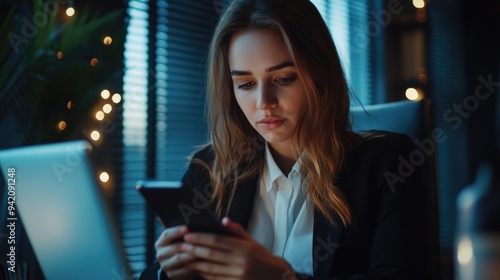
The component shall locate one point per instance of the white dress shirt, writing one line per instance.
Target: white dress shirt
(283, 216)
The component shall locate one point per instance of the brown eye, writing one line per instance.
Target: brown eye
(287, 80)
(245, 86)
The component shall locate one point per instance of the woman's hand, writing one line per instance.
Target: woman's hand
(170, 256)
(233, 257)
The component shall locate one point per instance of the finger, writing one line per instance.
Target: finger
(213, 240)
(214, 269)
(212, 254)
(165, 252)
(235, 228)
(175, 261)
(170, 234)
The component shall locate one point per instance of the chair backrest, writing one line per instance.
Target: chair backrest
(415, 120)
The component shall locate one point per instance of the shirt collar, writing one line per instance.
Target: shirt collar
(273, 172)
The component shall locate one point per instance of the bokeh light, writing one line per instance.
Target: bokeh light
(105, 94)
(104, 177)
(95, 135)
(99, 115)
(70, 11)
(107, 108)
(116, 98)
(107, 40)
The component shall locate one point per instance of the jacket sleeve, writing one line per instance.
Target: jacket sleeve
(153, 273)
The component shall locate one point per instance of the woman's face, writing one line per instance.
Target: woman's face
(266, 84)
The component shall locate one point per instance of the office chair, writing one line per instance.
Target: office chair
(415, 120)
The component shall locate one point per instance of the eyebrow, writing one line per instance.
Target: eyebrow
(270, 69)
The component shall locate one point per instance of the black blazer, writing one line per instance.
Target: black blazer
(385, 193)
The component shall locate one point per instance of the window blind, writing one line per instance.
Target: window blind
(183, 34)
(446, 68)
(132, 217)
(164, 86)
(360, 43)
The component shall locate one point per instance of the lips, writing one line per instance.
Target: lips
(269, 123)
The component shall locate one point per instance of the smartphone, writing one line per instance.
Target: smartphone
(178, 204)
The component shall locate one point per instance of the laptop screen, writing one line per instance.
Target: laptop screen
(52, 188)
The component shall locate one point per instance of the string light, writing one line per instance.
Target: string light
(69, 104)
(105, 94)
(107, 108)
(95, 135)
(412, 94)
(70, 11)
(104, 177)
(94, 62)
(116, 98)
(419, 4)
(59, 55)
(62, 125)
(107, 40)
(99, 115)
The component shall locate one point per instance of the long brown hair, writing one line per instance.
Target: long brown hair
(324, 130)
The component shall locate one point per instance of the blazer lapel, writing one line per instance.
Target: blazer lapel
(326, 240)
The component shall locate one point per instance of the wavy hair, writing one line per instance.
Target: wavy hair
(321, 137)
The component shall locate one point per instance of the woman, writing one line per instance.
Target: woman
(301, 193)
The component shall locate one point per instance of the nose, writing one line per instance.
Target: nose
(266, 97)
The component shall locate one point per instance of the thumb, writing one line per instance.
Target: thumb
(235, 228)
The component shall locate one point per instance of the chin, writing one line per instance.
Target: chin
(275, 139)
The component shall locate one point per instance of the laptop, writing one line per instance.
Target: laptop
(63, 210)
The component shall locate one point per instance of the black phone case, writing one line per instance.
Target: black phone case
(177, 204)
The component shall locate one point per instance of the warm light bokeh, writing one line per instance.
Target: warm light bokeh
(419, 4)
(107, 40)
(116, 98)
(62, 125)
(105, 94)
(70, 11)
(95, 135)
(412, 94)
(99, 115)
(104, 177)
(107, 108)
(94, 62)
